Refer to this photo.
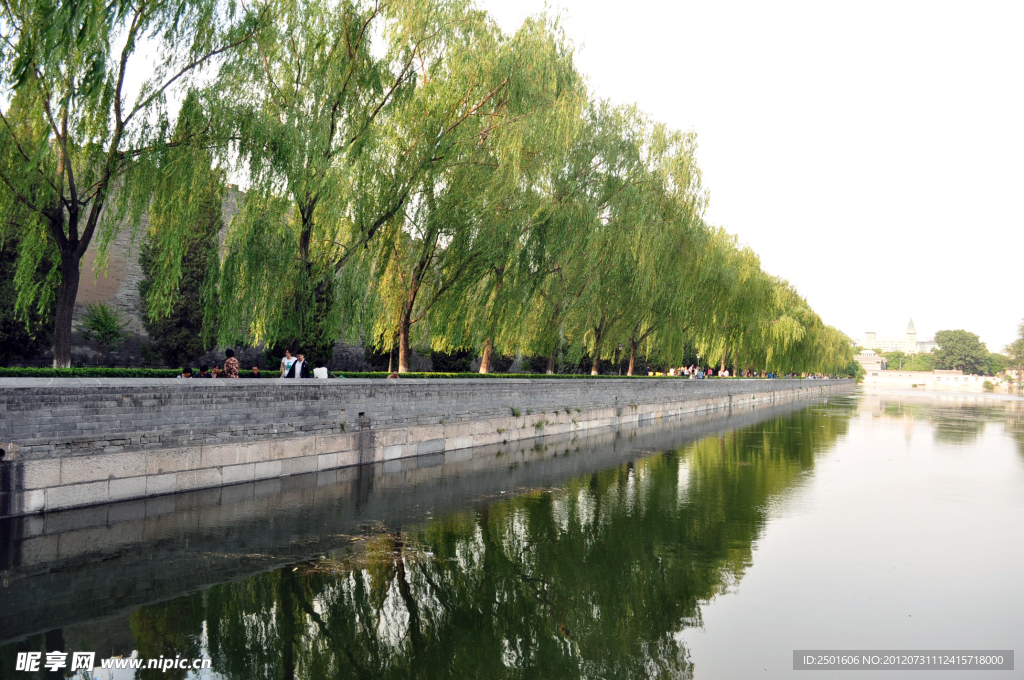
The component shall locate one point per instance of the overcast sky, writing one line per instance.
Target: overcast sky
(872, 153)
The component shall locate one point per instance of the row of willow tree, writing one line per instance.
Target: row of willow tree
(412, 174)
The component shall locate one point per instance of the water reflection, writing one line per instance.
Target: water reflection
(954, 419)
(595, 577)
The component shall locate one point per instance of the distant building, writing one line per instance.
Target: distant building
(939, 381)
(908, 344)
(871, 361)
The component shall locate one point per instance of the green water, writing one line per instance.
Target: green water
(881, 522)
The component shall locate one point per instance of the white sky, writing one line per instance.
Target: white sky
(872, 153)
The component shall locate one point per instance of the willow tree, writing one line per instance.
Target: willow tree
(571, 248)
(666, 290)
(179, 256)
(743, 294)
(464, 208)
(338, 134)
(644, 203)
(66, 65)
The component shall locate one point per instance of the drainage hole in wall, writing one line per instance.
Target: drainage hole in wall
(3, 453)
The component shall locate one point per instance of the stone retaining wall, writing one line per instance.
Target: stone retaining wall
(76, 442)
(79, 566)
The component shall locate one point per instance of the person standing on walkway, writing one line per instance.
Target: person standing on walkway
(230, 364)
(300, 368)
(286, 363)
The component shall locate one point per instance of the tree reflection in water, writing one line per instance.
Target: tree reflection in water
(593, 579)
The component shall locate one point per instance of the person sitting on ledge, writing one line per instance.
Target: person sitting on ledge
(204, 372)
(215, 373)
(320, 371)
(186, 372)
(255, 372)
(393, 376)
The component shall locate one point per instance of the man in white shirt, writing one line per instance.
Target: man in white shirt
(320, 371)
(299, 369)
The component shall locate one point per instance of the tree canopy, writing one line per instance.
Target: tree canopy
(413, 175)
(961, 350)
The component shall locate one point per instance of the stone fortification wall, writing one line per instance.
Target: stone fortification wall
(73, 569)
(76, 442)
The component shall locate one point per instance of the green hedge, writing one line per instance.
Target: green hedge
(91, 372)
(95, 372)
(384, 374)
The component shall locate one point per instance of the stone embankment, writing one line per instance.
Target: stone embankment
(75, 442)
(80, 570)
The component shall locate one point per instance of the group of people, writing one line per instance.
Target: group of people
(694, 372)
(230, 369)
(292, 366)
(296, 366)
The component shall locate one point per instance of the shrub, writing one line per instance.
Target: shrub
(457, 361)
(103, 325)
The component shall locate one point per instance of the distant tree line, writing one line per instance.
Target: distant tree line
(959, 350)
(414, 176)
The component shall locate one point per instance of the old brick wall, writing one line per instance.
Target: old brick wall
(78, 442)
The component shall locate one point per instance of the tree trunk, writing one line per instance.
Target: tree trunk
(485, 358)
(632, 358)
(403, 344)
(551, 364)
(70, 275)
(725, 353)
(598, 336)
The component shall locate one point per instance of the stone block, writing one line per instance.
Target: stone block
(233, 474)
(395, 436)
(79, 469)
(270, 468)
(40, 474)
(161, 484)
(123, 489)
(458, 443)
(35, 525)
(73, 495)
(334, 443)
(28, 502)
(198, 479)
(255, 451)
(292, 448)
(39, 550)
(327, 461)
(297, 466)
(392, 452)
(430, 446)
(457, 430)
(346, 458)
(220, 455)
(494, 438)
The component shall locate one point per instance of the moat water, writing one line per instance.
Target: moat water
(874, 521)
